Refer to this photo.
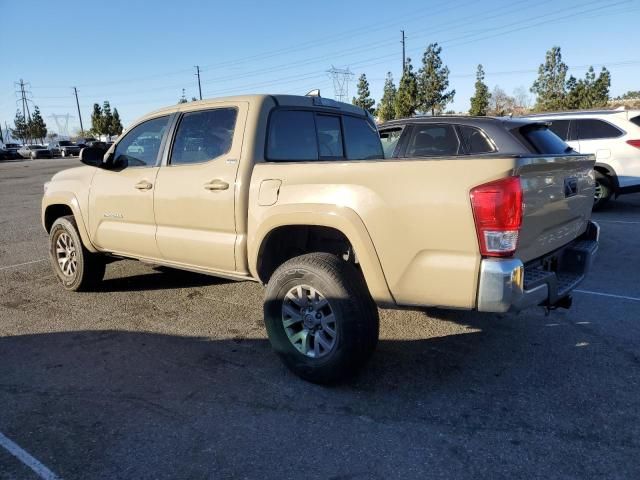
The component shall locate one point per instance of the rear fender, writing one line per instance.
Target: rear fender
(343, 219)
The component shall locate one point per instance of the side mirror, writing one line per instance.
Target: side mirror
(92, 156)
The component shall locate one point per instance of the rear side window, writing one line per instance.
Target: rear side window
(591, 129)
(560, 128)
(329, 136)
(361, 139)
(635, 120)
(475, 140)
(303, 135)
(543, 141)
(433, 140)
(292, 136)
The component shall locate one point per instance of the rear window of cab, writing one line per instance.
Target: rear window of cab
(308, 135)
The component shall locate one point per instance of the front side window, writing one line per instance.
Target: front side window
(390, 139)
(635, 120)
(203, 136)
(433, 140)
(475, 140)
(292, 136)
(141, 145)
(592, 129)
(361, 139)
(560, 128)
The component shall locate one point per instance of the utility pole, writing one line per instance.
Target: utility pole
(403, 51)
(75, 90)
(198, 75)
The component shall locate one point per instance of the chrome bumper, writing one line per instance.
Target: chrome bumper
(507, 285)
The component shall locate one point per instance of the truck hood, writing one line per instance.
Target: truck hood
(77, 174)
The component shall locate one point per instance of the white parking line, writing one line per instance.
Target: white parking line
(623, 297)
(15, 450)
(23, 264)
(624, 222)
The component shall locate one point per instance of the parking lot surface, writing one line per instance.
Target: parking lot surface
(165, 374)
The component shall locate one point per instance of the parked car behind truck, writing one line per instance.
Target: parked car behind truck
(613, 136)
(295, 193)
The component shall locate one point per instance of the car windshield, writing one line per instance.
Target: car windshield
(65, 143)
(36, 147)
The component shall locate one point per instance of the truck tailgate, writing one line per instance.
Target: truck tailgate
(558, 198)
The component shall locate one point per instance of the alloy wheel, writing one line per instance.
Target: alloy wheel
(309, 321)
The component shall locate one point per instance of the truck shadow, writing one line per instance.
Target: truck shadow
(508, 376)
(159, 278)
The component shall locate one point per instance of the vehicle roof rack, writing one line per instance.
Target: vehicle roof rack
(578, 112)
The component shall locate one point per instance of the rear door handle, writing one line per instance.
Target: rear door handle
(216, 185)
(144, 185)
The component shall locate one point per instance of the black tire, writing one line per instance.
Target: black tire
(355, 314)
(604, 190)
(90, 267)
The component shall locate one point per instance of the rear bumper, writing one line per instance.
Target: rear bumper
(508, 285)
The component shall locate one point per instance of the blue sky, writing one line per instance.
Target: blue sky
(139, 55)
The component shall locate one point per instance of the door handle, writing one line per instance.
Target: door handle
(144, 185)
(216, 185)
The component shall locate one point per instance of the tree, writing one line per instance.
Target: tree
(364, 100)
(501, 103)
(407, 101)
(549, 88)
(433, 81)
(522, 98)
(116, 124)
(600, 90)
(480, 99)
(386, 107)
(21, 128)
(37, 127)
(107, 120)
(630, 95)
(590, 92)
(51, 136)
(96, 119)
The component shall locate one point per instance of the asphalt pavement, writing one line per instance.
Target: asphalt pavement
(164, 374)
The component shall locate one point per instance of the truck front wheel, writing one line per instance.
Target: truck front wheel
(320, 318)
(76, 267)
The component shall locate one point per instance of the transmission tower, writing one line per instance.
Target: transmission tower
(341, 78)
(62, 122)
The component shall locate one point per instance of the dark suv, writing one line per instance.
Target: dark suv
(64, 148)
(453, 136)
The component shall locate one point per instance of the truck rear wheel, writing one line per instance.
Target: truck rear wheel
(76, 267)
(320, 318)
(603, 192)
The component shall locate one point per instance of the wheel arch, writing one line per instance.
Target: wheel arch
(336, 224)
(63, 205)
(608, 171)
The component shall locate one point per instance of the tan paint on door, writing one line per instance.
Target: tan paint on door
(121, 216)
(194, 207)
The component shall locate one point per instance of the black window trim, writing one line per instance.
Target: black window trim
(577, 129)
(163, 141)
(316, 111)
(166, 161)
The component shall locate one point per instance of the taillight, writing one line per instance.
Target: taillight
(497, 211)
(634, 143)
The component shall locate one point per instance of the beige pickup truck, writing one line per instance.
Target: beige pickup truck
(296, 193)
